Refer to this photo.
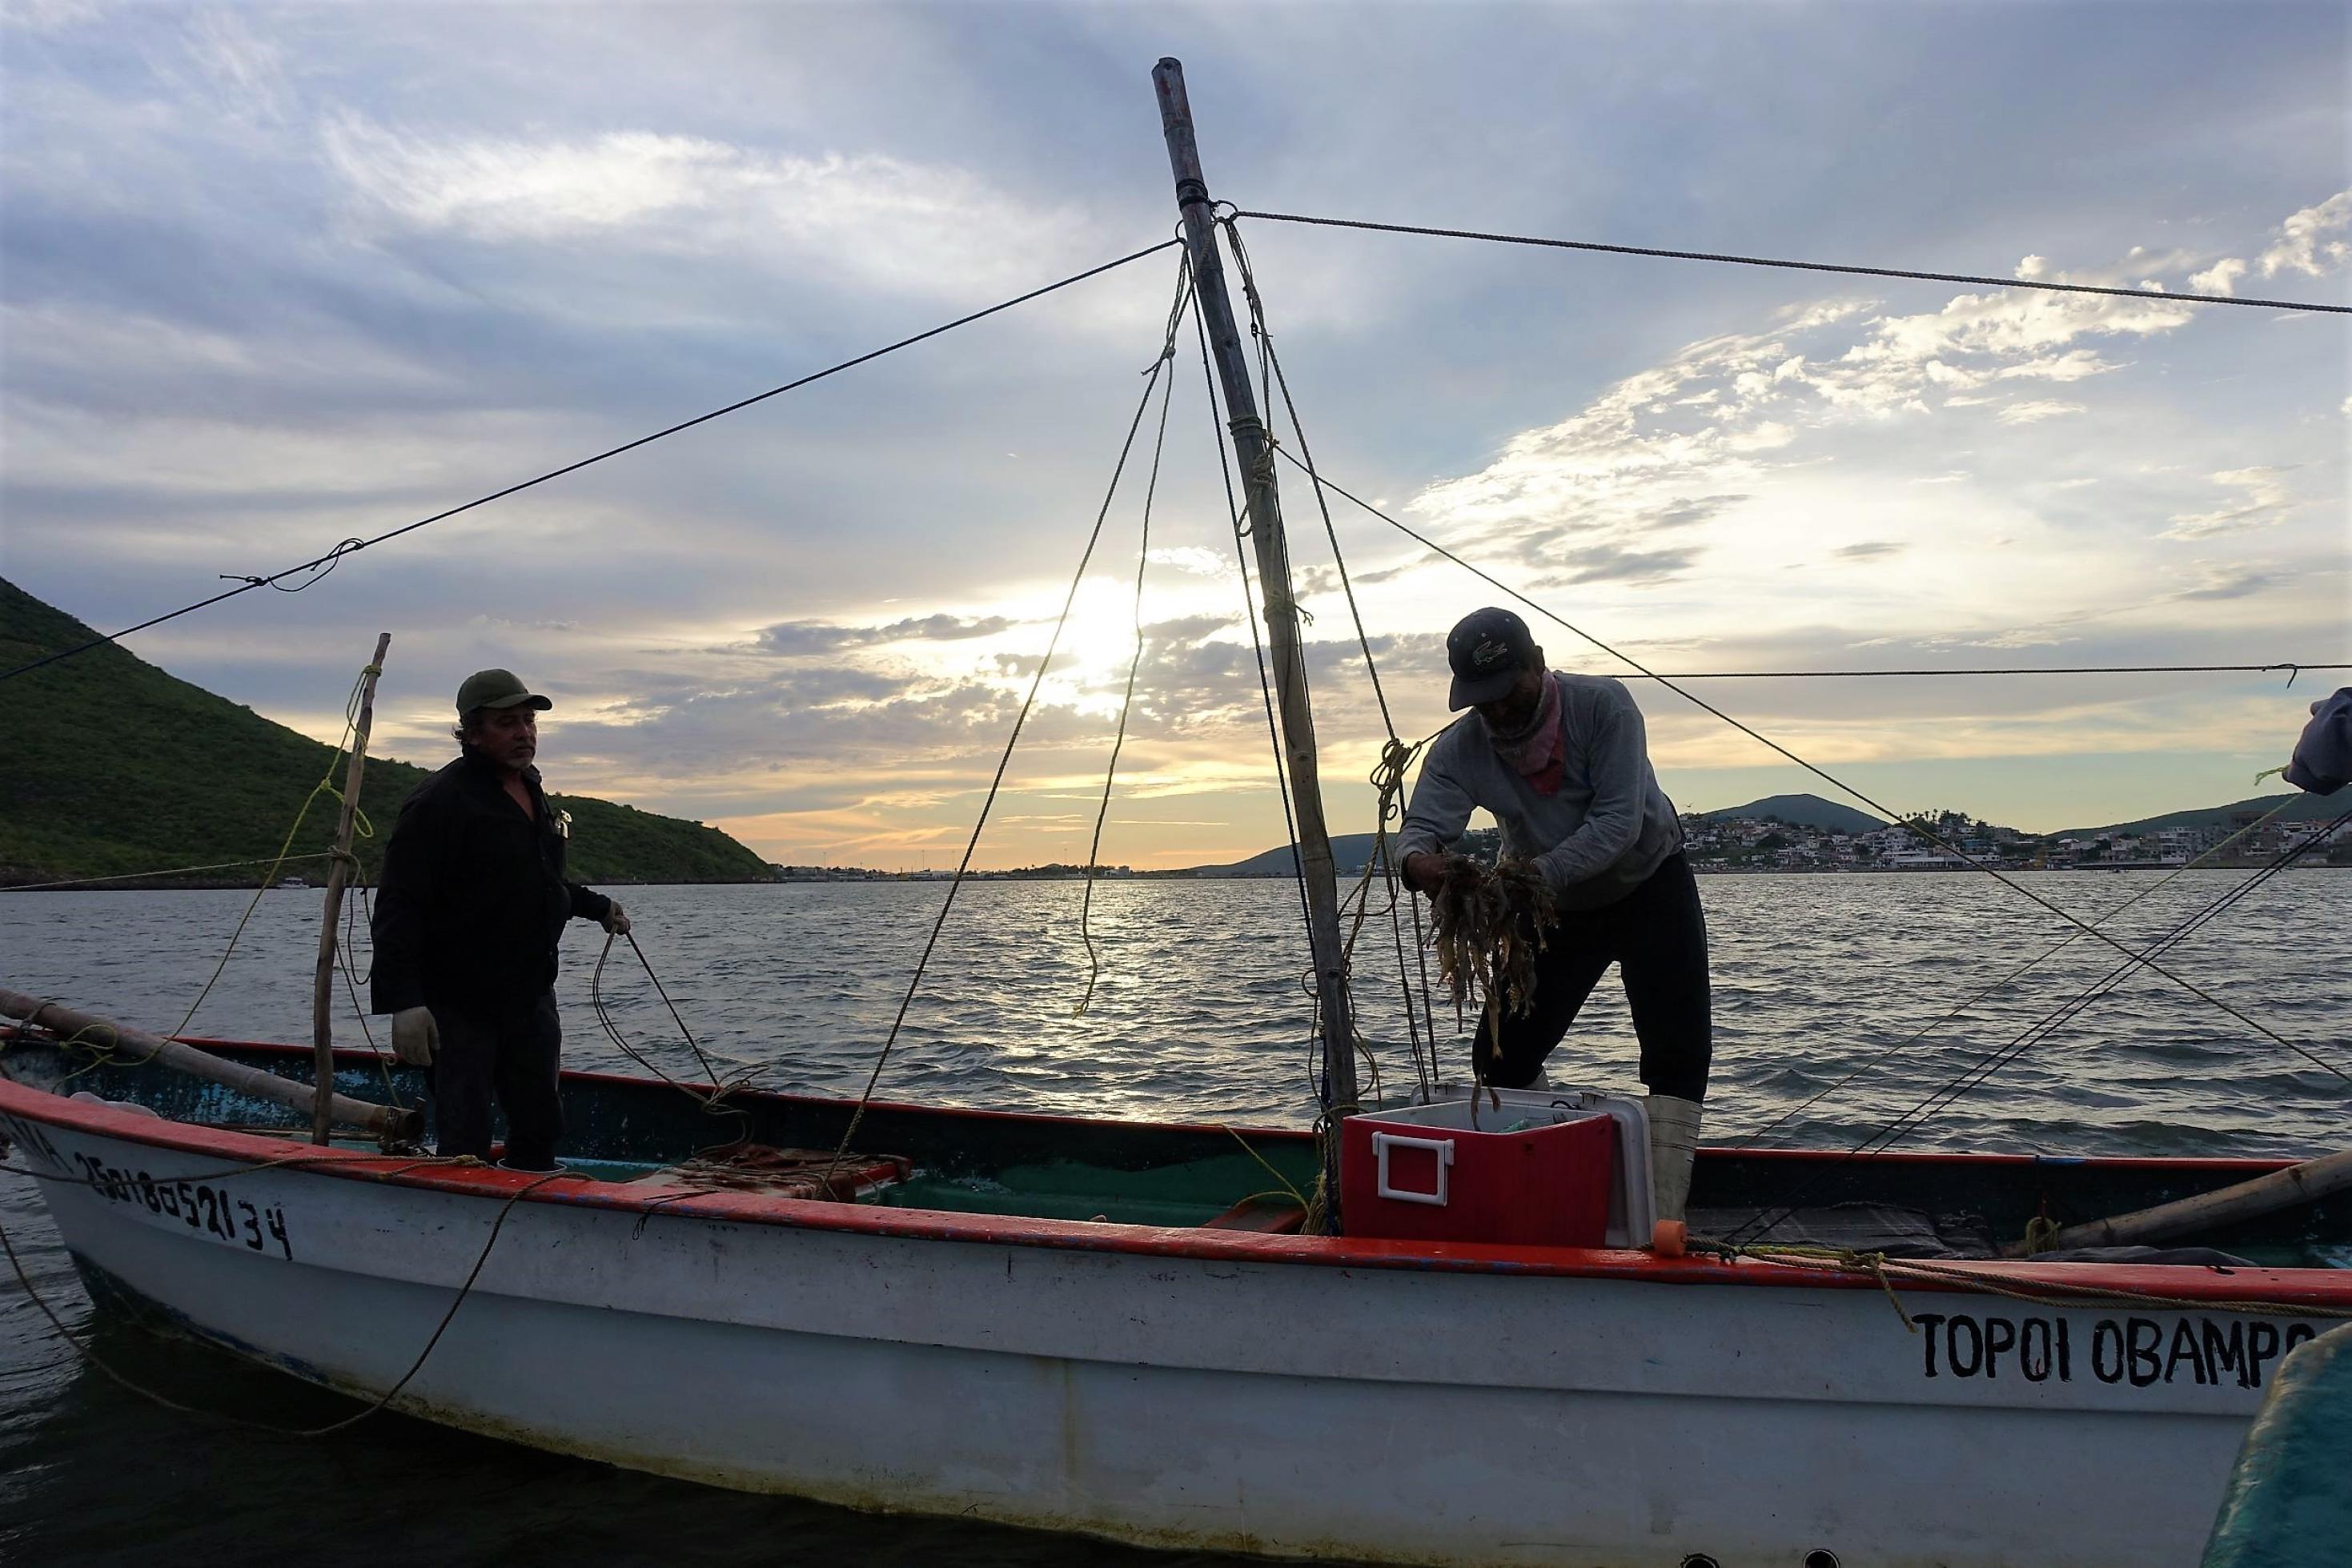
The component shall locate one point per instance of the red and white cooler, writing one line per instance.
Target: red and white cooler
(1542, 1168)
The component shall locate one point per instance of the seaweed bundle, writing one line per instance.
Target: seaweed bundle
(1490, 924)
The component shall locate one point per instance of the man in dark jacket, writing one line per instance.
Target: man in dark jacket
(471, 904)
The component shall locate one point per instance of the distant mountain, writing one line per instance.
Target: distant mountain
(2307, 809)
(1352, 849)
(115, 768)
(1349, 851)
(1800, 811)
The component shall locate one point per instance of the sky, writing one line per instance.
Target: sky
(275, 277)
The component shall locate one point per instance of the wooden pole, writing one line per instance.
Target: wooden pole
(2306, 1183)
(289, 1092)
(1254, 452)
(339, 876)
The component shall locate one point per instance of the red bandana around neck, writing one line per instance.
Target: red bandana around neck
(1538, 753)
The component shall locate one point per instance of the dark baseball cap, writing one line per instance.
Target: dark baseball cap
(497, 688)
(1487, 649)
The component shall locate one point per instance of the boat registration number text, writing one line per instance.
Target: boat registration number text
(198, 1204)
(2141, 1352)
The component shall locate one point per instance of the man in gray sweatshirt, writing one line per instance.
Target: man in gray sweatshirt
(1563, 762)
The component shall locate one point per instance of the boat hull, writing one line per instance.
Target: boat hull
(1259, 1394)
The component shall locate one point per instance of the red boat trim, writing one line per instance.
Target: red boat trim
(2286, 1287)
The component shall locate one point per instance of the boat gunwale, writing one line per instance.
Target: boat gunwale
(257, 1154)
(2247, 1164)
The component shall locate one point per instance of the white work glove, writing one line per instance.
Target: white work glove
(616, 922)
(415, 1036)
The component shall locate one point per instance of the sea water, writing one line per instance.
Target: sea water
(1198, 1012)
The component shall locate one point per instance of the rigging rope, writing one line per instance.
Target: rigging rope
(2033, 1036)
(1396, 758)
(2045, 1026)
(1240, 527)
(2292, 667)
(996, 782)
(1976, 279)
(1825, 776)
(712, 1102)
(1751, 1140)
(1127, 702)
(247, 584)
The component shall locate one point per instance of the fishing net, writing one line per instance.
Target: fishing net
(781, 1173)
(1490, 924)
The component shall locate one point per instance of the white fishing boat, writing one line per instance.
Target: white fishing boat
(1117, 1328)
(1073, 1324)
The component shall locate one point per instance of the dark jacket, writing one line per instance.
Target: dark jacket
(2323, 757)
(473, 899)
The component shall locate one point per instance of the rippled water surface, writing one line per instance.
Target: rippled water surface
(1198, 1012)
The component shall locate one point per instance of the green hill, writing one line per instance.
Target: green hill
(1800, 811)
(1348, 851)
(2306, 808)
(111, 766)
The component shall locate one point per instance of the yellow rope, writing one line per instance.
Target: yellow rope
(325, 786)
(1276, 1175)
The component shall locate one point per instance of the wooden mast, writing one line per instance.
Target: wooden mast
(339, 876)
(1255, 452)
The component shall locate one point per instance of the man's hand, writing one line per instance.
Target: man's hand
(415, 1036)
(1423, 871)
(617, 920)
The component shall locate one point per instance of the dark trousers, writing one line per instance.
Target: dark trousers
(1656, 935)
(512, 1052)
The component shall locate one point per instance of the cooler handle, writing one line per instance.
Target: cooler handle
(1440, 1148)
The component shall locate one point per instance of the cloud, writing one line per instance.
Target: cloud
(2221, 582)
(262, 288)
(1198, 561)
(887, 221)
(2266, 500)
(2035, 411)
(2304, 242)
(800, 639)
(248, 71)
(1614, 563)
(2221, 277)
(50, 15)
(1692, 512)
(1689, 442)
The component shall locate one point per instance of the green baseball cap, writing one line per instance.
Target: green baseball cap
(497, 688)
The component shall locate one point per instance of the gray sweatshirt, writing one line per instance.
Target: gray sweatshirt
(1600, 837)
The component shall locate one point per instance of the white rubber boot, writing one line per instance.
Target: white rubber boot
(1674, 1139)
